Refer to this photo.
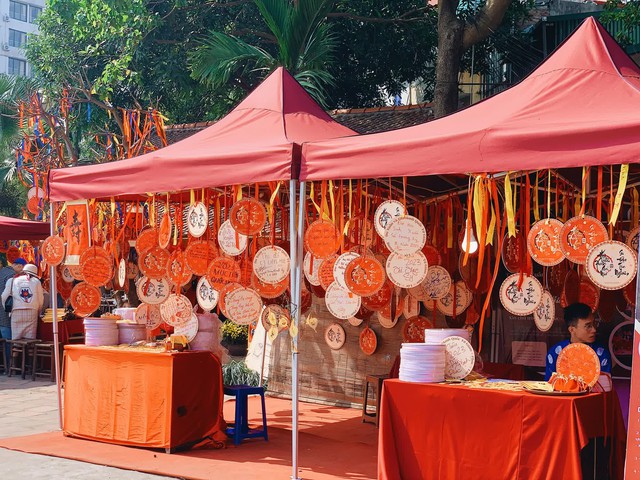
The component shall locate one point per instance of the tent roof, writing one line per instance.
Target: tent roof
(256, 142)
(17, 229)
(579, 107)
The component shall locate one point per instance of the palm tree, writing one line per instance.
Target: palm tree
(304, 41)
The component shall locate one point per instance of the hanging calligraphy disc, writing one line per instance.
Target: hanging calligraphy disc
(387, 211)
(53, 250)
(231, 242)
(206, 295)
(269, 290)
(164, 232)
(153, 262)
(524, 300)
(147, 239)
(271, 264)
(197, 219)
(122, 273)
(341, 303)
(364, 276)
(223, 271)
(224, 291)
(413, 330)
(322, 239)
(579, 235)
(275, 316)
(334, 336)
(410, 306)
(512, 252)
(407, 271)
(545, 314)
(325, 271)
(311, 267)
(65, 274)
(248, 216)
(368, 341)
(543, 242)
(199, 255)
(632, 239)
(243, 306)
(96, 270)
(178, 272)
(463, 298)
(405, 235)
(432, 254)
(189, 329)
(76, 272)
(153, 291)
(176, 310)
(340, 267)
(85, 299)
(148, 315)
(379, 299)
(611, 265)
(555, 278)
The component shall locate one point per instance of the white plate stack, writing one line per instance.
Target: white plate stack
(437, 335)
(100, 331)
(421, 362)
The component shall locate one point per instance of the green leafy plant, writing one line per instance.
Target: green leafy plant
(237, 373)
(234, 333)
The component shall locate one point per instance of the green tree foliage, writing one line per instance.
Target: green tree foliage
(627, 15)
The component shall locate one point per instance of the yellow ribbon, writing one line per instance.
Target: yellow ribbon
(313, 200)
(508, 201)
(478, 203)
(193, 197)
(333, 202)
(622, 185)
(450, 227)
(271, 202)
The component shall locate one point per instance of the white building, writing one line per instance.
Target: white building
(18, 21)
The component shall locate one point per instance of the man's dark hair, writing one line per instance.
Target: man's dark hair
(575, 312)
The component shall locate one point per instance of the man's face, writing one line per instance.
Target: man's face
(17, 267)
(584, 331)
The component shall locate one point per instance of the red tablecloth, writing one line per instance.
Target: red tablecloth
(430, 431)
(142, 398)
(65, 328)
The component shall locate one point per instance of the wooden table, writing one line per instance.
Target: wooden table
(433, 431)
(142, 398)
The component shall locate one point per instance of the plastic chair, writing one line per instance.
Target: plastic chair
(240, 429)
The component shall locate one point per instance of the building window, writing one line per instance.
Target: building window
(17, 38)
(17, 67)
(18, 10)
(34, 13)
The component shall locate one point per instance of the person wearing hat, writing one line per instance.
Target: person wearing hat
(7, 272)
(28, 298)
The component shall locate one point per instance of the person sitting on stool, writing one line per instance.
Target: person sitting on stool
(582, 329)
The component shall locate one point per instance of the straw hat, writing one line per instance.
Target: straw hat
(31, 269)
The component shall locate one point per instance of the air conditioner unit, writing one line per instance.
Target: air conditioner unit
(5, 46)
(5, 17)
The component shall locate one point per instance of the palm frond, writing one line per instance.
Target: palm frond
(275, 14)
(221, 56)
(315, 82)
(304, 18)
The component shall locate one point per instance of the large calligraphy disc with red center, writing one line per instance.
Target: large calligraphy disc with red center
(322, 239)
(199, 255)
(85, 299)
(611, 265)
(579, 235)
(521, 300)
(512, 251)
(147, 239)
(178, 272)
(364, 276)
(223, 271)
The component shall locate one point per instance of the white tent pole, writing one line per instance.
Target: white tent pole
(293, 276)
(53, 295)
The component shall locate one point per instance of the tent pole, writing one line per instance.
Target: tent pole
(53, 295)
(293, 279)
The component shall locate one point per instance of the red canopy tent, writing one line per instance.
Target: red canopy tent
(257, 141)
(17, 229)
(579, 107)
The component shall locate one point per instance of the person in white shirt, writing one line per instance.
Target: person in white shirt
(28, 299)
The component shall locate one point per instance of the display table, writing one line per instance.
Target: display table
(66, 328)
(432, 431)
(142, 398)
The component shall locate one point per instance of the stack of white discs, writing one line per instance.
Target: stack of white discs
(437, 335)
(421, 362)
(100, 331)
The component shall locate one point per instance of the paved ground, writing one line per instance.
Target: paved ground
(27, 408)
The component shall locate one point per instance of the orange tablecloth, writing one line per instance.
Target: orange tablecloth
(142, 398)
(431, 431)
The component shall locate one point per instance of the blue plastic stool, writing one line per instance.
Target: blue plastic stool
(240, 429)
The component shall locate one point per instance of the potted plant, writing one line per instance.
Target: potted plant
(234, 338)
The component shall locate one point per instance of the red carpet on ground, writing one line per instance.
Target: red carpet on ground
(334, 443)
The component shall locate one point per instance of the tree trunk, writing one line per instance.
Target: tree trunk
(450, 32)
